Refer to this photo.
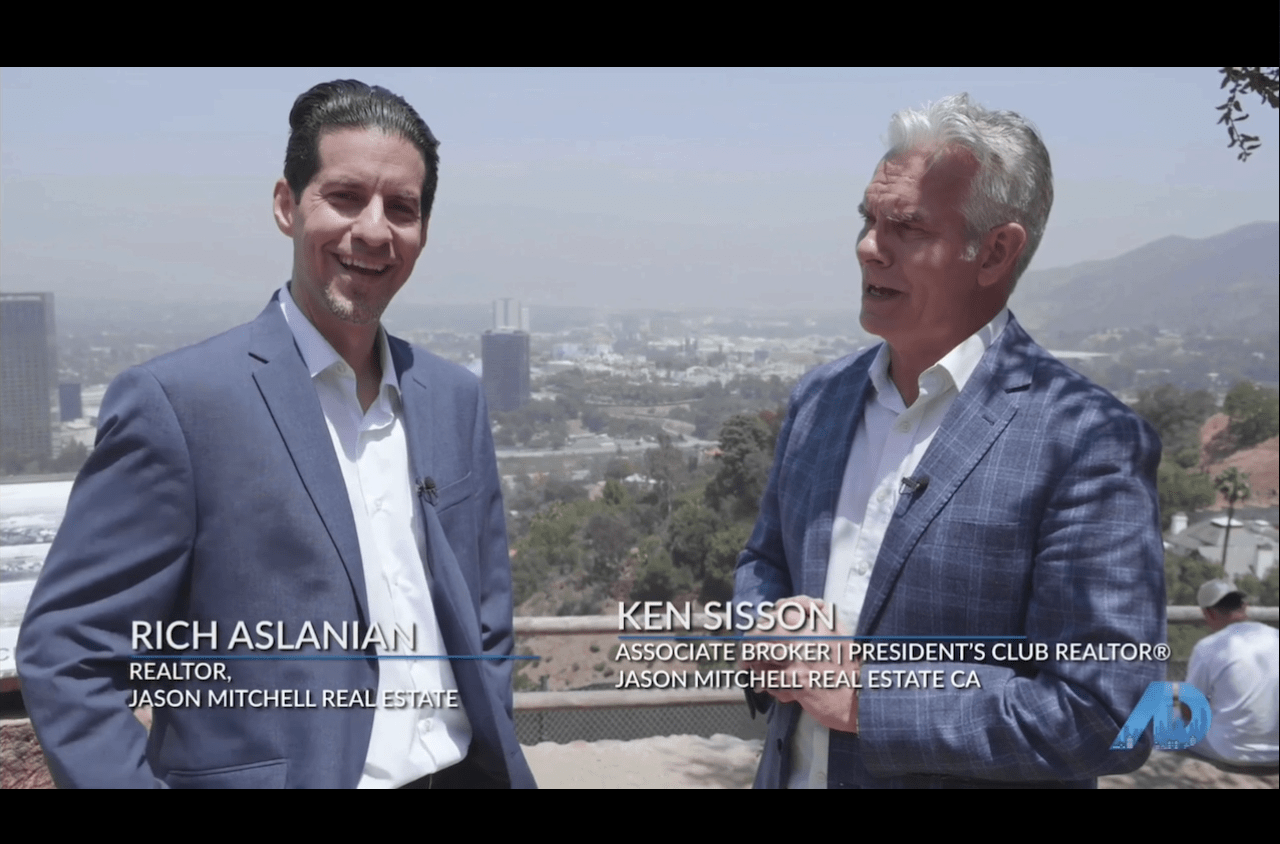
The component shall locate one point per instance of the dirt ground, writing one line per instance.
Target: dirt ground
(728, 762)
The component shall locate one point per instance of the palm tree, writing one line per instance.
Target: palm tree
(1234, 484)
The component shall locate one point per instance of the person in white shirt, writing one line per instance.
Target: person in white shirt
(1237, 668)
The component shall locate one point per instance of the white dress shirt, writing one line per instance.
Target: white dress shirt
(406, 743)
(889, 443)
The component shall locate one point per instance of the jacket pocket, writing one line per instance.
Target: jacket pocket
(455, 492)
(272, 774)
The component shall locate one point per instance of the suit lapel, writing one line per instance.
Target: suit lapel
(450, 596)
(839, 416)
(448, 586)
(285, 385)
(414, 401)
(978, 417)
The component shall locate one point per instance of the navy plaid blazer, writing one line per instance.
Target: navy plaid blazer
(1040, 520)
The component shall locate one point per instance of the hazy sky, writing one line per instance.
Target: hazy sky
(634, 188)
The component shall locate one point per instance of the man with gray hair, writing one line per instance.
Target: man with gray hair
(959, 488)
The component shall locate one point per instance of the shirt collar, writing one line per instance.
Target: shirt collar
(319, 355)
(956, 366)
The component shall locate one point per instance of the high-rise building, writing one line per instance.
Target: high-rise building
(69, 405)
(28, 374)
(504, 356)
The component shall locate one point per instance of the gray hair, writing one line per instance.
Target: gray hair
(1014, 182)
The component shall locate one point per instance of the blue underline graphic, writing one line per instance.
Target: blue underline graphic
(783, 637)
(222, 658)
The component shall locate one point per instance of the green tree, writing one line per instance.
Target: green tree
(1265, 592)
(1184, 575)
(669, 470)
(552, 544)
(1234, 484)
(722, 559)
(1254, 412)
(1182, 490)
(1263, 81)
(595, 420)
(657, 579)
(615, 494)
(689, 536)
(746, 453)
(609, 536)
(1177, 416)
(618, 468)
(557, 487)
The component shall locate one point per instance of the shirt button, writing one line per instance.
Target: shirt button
(880, 495)
(424, 727)
(904, 426)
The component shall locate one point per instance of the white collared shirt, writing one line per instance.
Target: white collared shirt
(889, 443)
(406, 743)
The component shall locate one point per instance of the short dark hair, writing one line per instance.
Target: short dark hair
(351, 104)
(1232, 603)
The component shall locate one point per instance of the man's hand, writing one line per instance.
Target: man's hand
(834, 708)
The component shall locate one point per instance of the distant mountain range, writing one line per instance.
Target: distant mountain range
(1223, 283)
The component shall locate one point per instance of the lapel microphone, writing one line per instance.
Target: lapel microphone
(427, 489)
(914, 485)
(911, 487)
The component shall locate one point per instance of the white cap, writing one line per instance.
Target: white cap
(1214, 591)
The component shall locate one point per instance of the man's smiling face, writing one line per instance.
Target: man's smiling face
(357, 228)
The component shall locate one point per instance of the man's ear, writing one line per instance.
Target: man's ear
(1001, 249)
(283, 206)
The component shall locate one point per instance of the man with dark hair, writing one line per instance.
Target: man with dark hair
(958, 486)
(310, 511)
(346, 103)
(1237, 668)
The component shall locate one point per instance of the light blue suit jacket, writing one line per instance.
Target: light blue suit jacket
(1040, 520)
(214, 494)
